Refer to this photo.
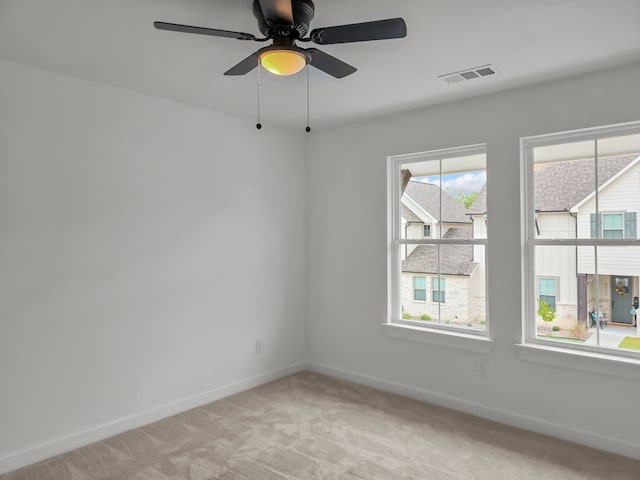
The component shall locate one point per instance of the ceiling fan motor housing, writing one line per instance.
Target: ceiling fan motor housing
(303, 12)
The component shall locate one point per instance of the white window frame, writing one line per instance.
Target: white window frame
(529, 240)
(415, 330)
(424, 228)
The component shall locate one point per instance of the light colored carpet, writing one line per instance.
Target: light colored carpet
(309, 426)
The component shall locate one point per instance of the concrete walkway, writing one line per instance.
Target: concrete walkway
(611, 335)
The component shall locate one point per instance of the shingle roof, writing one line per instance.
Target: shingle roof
(427, 196)
(561, 185)
(408, 215)
(454, 259)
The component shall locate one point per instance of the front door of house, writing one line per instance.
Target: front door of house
(621, 299)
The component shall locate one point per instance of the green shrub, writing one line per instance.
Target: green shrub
(424, 316)
(406, 316)
(556, 328)
(483, 322)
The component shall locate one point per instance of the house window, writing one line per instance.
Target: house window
(612, 225)
(547, 291)
(438, 289)
(581, 233)
(420, 289)
(446, 188)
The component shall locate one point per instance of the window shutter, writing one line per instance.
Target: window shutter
(594, 227)
(630, 230)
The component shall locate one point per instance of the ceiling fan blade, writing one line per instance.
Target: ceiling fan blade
(330, 64)
(360, 32)
(174, 27)
(277, 11)
(245, 66)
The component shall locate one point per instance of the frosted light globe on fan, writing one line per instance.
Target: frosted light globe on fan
(283, 62)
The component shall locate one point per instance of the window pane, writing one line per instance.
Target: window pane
(549, 300)
(563, 176)
(583, 300)
(457, 298)
(612, 234)
(547, 286)
(443, 194)
(444, 198)
(561, 288)
(612, 220)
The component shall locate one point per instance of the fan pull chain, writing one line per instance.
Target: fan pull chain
(308, 129)
(259, 125)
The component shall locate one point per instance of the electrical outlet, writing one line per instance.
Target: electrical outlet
(259, 345)
(482, 369)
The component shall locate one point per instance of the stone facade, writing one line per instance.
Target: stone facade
(458, 308)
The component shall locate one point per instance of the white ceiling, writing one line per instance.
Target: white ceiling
(114, 42)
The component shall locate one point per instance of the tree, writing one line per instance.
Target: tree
(466, 200)
(547, 314)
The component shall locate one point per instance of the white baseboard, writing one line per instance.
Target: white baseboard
(570, 434)
(58, 446)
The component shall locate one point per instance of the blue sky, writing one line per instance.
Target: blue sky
(466, 182)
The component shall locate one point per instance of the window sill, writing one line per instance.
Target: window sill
(580, 360)
(441, 338)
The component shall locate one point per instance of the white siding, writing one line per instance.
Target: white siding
(556, 225)
(558, 262)
(622, 195)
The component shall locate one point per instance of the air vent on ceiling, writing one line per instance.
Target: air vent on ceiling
(469, 74)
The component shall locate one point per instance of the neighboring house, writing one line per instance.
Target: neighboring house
(565, 208)
(457, 295)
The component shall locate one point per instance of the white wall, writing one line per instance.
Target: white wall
(128, 280)
(346, 336)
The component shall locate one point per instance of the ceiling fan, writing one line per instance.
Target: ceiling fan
(287, 22)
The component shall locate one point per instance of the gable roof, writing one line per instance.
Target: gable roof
(408, 214)
(454, 259)
(559, 186)
(427, 196)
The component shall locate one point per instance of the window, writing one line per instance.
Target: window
(547, 291)
(438, 289)
(612, 225)
(420, 289)
(437, 239)
(582, 253)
